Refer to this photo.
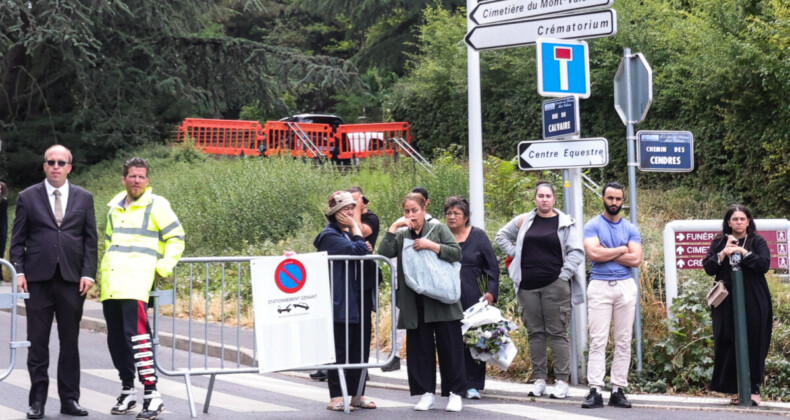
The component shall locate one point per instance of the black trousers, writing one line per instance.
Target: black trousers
(129, 340)
(354, 356)
(54, 299)
(475, 371)
(422, 345)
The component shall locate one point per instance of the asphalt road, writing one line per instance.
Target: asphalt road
(291, 395)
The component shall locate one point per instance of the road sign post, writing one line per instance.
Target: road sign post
(665, 151)
(526, 32)
(563, 154)
(495, 11)
(563, 67)
(561, 117)
(633, 94)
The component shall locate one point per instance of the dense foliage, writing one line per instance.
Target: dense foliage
(721, 69)
(102, 76)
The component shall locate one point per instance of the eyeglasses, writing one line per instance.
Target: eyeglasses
(60, 163)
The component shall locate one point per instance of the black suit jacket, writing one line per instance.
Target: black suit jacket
(38, 245)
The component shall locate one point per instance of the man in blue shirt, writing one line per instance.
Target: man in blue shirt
(614, 246)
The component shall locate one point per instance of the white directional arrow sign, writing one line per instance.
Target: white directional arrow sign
(679, 250)
(588, 25)
(504, 10)
(680, 236)
(561, 154)
(681, 264)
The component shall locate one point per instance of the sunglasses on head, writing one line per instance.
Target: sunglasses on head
(59, 163)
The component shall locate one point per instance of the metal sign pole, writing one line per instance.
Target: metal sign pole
(579, 313)
(631, 140)
(741, 339)
(568, 206)
(476, 190)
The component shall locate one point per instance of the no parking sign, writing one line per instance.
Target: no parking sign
(293, 311)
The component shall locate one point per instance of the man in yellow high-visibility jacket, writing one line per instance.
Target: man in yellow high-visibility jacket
(144, 241)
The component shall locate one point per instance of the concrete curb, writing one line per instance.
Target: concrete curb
(516, 392)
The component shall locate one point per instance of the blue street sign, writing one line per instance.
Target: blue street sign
(665, 151)
(563, 68)
(561, 117)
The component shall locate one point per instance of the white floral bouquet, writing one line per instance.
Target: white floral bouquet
(486, 335)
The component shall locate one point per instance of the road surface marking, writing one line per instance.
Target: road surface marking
(532, 412)
(218, 399)
(293, 389)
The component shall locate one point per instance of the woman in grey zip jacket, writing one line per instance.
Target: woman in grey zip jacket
(546, 249)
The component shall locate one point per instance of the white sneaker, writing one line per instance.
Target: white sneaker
(152, 406)
(125, 403)
(538, 388)
(560, 390)
(426, 402)
(455, 403)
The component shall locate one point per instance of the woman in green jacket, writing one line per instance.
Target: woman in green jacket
(432, 326)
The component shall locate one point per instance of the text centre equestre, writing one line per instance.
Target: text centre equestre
(566, 153)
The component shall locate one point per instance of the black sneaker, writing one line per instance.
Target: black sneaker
(392, 366)
(593, 400)
(319, 375)
(617, 399)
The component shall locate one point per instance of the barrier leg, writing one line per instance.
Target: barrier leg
(190, 397)
(208, 393)
(362, 377)
(344, 389)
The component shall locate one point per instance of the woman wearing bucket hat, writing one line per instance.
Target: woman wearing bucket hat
(343, 236)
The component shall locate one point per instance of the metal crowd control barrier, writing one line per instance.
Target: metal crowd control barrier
(8, 301)
(199, 281)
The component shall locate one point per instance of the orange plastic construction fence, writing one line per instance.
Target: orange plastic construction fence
(280, 138)
(363, 140)
(223, 137)
(251, 138)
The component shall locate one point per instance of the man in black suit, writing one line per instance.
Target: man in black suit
(53, 248)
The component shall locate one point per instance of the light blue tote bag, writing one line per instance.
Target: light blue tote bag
(429, 275)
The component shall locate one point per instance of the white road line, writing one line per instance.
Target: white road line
(532, 412)
(91, 400)
(308, 392)
(10, 414)
(218, 399)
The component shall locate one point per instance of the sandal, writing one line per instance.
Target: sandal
(363, 404)
(337, 405)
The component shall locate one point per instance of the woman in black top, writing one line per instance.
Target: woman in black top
(546, 249)
(478, 261)
(739, 235)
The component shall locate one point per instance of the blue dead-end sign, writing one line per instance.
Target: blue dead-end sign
(563, 67)
(665, 151)
(561, 117)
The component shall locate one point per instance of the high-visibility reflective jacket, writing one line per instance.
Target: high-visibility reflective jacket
(141, 240)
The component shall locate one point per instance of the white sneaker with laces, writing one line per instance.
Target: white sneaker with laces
(426, 402)
(152, 406)
(538, 388)
(455, 403)
(125, 403)
(560, 390)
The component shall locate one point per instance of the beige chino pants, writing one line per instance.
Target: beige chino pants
(607, 301)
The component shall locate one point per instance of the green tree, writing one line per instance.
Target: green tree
(102, 76)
